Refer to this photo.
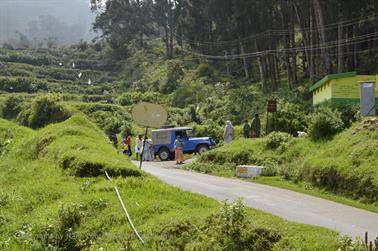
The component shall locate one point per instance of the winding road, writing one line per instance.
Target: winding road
(287, 204)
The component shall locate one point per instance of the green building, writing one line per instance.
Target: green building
(341, 88)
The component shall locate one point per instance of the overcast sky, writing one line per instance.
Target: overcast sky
(16, 14)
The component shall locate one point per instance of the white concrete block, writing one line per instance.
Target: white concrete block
(248, 171)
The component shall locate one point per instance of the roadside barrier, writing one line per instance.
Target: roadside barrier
(125, 210)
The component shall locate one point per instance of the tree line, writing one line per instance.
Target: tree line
(268, 40)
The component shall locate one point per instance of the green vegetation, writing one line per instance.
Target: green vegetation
(345, 166)
(43, 205)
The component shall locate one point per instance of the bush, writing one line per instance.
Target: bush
(228, 229)
(12, 106)
(131, 98)
(209, 129)
(22, 84)
(289, 118)
(277, 140)
(325, 123)
(43, 111)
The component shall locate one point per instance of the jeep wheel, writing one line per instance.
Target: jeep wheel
(201, 149)
(164, 154)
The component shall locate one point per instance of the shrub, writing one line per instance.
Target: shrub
(289, 118)
(204, 70)
(22, 84)
(131, 98)
(209, 129)
(276, 140)
(325, 123)
(42, 111)
(12, 106)
(228, 229)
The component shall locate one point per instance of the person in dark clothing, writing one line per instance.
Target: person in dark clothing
(246, 129)
(256, 126)
(113, 139)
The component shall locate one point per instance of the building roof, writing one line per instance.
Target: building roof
(173, 129)
(328, 78)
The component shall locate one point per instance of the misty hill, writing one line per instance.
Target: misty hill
(66, 21)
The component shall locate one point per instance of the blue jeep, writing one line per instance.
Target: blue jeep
(164, 138)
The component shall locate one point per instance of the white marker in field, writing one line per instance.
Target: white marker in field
(89, 82)
(80, 74)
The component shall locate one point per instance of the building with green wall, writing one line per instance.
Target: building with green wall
(341, 88)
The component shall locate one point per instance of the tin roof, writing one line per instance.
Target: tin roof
(332, 77)
(173, 129)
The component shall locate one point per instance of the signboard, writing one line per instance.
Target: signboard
(149, 115)
(272, 106)
(367, 98)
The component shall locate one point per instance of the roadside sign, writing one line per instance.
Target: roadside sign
(272, 106)
(149, 115)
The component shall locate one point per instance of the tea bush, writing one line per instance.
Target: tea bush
(209, 129)
(43, 110)
(325, 123)
(131, 98)
(12, 106)
(276, 140)
(228, 229)
(22, 84)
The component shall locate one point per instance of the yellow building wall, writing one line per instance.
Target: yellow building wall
(343, 90)
(322, 94)
(349, 88)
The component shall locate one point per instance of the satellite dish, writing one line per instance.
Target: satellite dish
(149, 115)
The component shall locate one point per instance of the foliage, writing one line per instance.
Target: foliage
(324, 123)
(83, 213)
(43, 110)
(278, 140)
(345, 165)
(289, 118)
(131, 98)
(209, 129)
(228, 229)
(22, 84)
(12, 106)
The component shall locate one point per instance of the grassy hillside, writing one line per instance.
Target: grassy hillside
(45, 206)
(346, 165)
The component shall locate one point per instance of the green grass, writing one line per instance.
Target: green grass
(38, 197)
(344, 169)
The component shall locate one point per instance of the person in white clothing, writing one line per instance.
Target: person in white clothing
(228, 133)
(139, 147)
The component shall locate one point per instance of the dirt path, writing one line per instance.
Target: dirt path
(284, 203)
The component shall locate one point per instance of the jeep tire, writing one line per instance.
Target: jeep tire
(201, 149)
(164, 154)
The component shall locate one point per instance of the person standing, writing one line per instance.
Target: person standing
(179, 150)
(138, 147)
(246, 129)
(256, 126)
(147, 150)
(228, 135)
(127, 145)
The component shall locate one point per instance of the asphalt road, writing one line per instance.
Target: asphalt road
(284, 203)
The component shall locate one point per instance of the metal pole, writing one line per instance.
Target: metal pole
(144, 144)
(267, 122)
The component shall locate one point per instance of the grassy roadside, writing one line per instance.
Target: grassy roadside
(343, 169)
(300, 187)
(43, 205)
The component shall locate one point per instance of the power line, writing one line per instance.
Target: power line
(282, 32)
(333, 44)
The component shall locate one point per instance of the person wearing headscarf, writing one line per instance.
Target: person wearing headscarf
(228, 135)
